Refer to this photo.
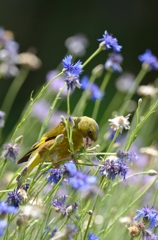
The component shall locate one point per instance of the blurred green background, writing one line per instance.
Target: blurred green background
(45, 25)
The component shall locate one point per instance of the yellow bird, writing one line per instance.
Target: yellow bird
(54, 145)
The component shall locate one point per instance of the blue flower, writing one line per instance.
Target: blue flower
(5, 208)
(110, 42)
(2, 115)
(91, 236)
(148, 235)
(71, 231)
(81, 180)
(55, 175)
(93, 89)
(71, 67)
(127, 156)
(72, 72)
(14, 198)
(60, 206)
(148, 215)
(54, 231)
(3, 225)
(8, 54)
(112, 168)
(26, 186)
(77, 44)
(113, 62)
(149, 59)
(70, 168)
(10, 151)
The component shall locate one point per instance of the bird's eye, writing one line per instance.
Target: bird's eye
(89, 133)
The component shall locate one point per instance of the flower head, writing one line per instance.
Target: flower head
(71, 231)
(125, 82)
(113, 62)
(149, 60)
(110, 42)
(8, 54)
(148, 235)
(147, 91)
(10, 151)
(29, 60)
(5, 208)
(91, 236)
(70, 168)
(127, 156)
(93, 89)
(55, 175)
(2, 115)
(149, 215)
(3, 225)
(72, 72)
(81, 180)
(54, 231)
(60, 206)
(14, 198)
(112, 168)
(120, 122)
(77, 44)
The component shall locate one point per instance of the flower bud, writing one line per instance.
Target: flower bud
(19, 139)
(152, 172)
(59, 138)
(98, 71)
(71, 122)
(90, 212)
(22, 221)
(134, 231)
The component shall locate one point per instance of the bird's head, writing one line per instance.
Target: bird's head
(88, 128)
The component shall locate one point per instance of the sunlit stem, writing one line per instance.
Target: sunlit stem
(113, 140)
(28, 110)
(139, 125)
(87, 228)
(81, 105)
(14, 89)
(50, 111)
(92, 56)
(3, 166)
(132, 90)
(68, 102)
(128, 207)
(102, 89)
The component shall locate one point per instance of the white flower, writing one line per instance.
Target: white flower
(148, 90)
(150, 151)
(120, 122)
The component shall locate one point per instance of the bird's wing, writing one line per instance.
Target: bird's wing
(52, 134)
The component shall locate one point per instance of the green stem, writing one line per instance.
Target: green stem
(28, 110)
(128, 207)
(68, 103)
(92, 56)
(102, 89)
(50, 112)
(3, 167)
(81, 104)
(113, 140)
(87, 228)
(14, 89)
(133, 135)
(63, 224)
(128, 97)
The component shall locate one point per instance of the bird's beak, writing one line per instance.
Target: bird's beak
(87, 142)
